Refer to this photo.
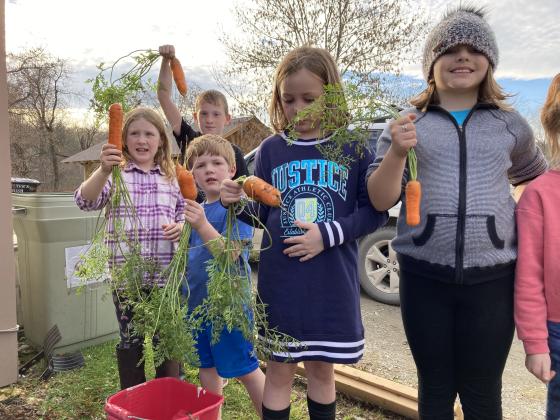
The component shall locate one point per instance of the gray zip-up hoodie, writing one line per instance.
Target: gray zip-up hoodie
(467, 227)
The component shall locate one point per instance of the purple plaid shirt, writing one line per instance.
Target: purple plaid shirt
(157, 201)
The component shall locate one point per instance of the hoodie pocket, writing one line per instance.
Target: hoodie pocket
(440, 230)
(481, 235)
(493, 233)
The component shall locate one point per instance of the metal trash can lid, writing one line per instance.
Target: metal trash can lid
(24, 185)
(25, 180)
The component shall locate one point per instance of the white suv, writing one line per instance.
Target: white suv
(378, 265)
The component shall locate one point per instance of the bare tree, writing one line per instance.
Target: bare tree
(36, 92)
(365, 37)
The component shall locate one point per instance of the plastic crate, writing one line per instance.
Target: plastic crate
(164, 399)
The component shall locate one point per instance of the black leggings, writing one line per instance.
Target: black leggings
(460, 338)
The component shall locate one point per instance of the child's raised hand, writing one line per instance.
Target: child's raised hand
(172, 231)
(110, 156)
(230, 192)
(305, 246)
(194, 214)
(167, 51)
(539, 365)
(403, 134)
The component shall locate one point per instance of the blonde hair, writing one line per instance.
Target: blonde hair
(489, 91)
(316, 60)
(210, 144)
(163, 155)
(213, 97)
(550, 119)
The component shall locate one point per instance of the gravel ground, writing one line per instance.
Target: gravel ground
(388, 355)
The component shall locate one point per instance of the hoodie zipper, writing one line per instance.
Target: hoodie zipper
(462, 207)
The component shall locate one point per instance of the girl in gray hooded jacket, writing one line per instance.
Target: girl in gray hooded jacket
(457, 266)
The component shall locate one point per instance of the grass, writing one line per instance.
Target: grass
(81, 393)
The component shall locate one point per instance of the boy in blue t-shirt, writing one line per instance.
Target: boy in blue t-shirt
(211, 160)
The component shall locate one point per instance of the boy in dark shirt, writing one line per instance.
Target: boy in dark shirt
(211, 112)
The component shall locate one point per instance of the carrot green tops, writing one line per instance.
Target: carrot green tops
(537, 279)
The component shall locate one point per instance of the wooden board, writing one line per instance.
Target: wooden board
(389, 395)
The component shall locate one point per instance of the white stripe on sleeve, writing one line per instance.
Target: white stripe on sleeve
(331, 234)
(340, 232)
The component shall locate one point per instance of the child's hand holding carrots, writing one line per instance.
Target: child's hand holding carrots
(306, 246)
(403, 140)
(194, 214)
(403, 135)
(167, 51)
(172, 231)
(110, 156)
(230, 192)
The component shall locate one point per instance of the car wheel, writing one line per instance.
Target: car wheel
(378, 266)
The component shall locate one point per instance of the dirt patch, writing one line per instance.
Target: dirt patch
(388, 355)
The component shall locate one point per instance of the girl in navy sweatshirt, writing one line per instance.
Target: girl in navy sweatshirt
(308, 276)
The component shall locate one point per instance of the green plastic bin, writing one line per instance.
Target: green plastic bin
(50, 232)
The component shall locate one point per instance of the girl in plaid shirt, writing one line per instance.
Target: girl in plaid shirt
(149, 174)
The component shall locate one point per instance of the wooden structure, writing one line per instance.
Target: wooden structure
(8, 320)
(246, 132)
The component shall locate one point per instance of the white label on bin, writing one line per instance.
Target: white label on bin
(73, 255)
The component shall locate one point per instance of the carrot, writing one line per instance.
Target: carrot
(187, 185)
(115, 125)
(412, 192)
(261, 191)
(179, 76)
(179, 169)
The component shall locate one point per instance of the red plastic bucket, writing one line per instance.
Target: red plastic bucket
(164, 399)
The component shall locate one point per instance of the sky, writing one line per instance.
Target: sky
(87, 32)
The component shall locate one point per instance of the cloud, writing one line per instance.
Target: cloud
(528, 36)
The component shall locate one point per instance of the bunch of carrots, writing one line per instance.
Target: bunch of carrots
(164, 311)
(231, 303)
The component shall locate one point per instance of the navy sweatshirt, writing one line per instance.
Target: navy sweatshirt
(318, 301)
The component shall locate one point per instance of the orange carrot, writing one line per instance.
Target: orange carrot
(179, 76)
(261, 191)
(187, 185)
(413, 194)
(179, 169)
(115, 125)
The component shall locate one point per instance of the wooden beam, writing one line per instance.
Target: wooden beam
(8, 320)
(389, 395)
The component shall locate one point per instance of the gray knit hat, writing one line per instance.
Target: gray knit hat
(465, 25)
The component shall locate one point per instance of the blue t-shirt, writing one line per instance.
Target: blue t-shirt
(199, 255)
(460, 115)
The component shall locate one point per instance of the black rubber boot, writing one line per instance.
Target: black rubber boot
(168, 368)
(130, 372)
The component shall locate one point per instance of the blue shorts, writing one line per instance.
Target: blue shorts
(232, 355)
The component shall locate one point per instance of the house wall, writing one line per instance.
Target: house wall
(250, 135)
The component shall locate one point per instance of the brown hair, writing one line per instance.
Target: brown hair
(213, 145)
(317, 60)
(550, 119)
(213, 97)
(489, 91)
(163, 155)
